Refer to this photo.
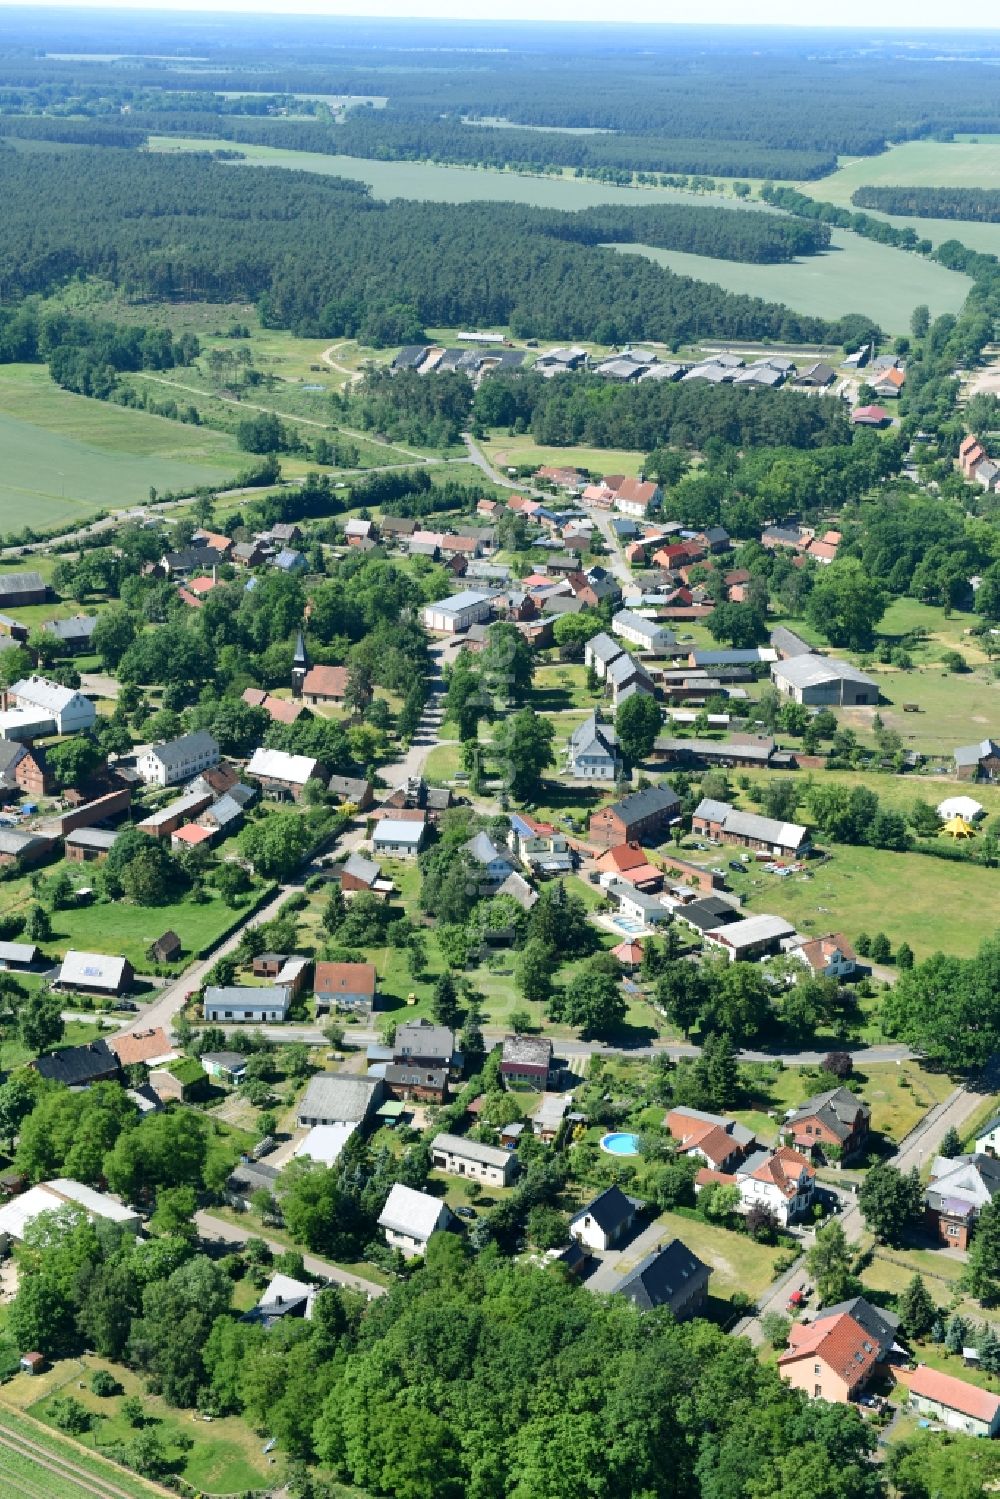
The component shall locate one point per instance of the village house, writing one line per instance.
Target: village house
(724, 824)
(719, 1142)
(645, 634)
(51, 1196)
(641, 817)
(79, 1066)
(268, 1004)
(870, 416)
(356, 790)
(592, 752)
(527, 1059)
(493, 863)
(23, 769)
(818, 681)
(168, 819)
(830, 957)
(637, 498)
(412, 1084)
(832, 1119)
(953, 1402)
(605, 1221)
(283, 777)
(958, 1190)
(628, 862)
(540, 848)
(150, 1046)
(645, 911)
(358, 873)
(22, 588)
(669, 1276)
(178, 759)
(95, 973)
(345, 986)
(781, 1180)
(457, 1156)
(72, 634)
(599, 652)
(834, 1356)
(409, 1218)
(424, 1044)
(399, 838)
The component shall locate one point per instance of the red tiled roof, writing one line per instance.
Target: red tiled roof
(716, 1143)
(622, 857)
(203, 585)
(628, 952)
(707, 1175)
(784, 1168)
(140, 1046)
(956, 1394)
(344, 978)
(839, 1342)
(192, 834)
(325, 681)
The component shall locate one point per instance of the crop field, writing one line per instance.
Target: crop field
(855, 275)
(35, 1463)
(922, 164)
(65, 456)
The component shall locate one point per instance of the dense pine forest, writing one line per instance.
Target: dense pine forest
(977, 204)
(325, 258)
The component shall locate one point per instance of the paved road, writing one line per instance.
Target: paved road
(919, 1146)
(616, 557)
(230, 1233)
(479, 458)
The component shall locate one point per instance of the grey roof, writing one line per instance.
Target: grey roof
(712, 811)
(662, 1275)
(420, 1038)
(395, 830)
(225, 811)
(12, 584)
(609, 1210)
(482, 848)
(14, 843)
(813, 671)
(94, 970)
(335, 1095)
(516, 886)
(788, 643)
(416, 1214)
(80, 627)
(971, 754)
(188, 746)
(232, 1061)
(469, 598)
(765, 829)
(252, 1175)
(592, 732)
(76, 1066)
(353, 787)
(625, 619)
(838, 1107)
(647, 802)
(236, 996)
(708, 914)
(752, 930)
(486, 1155)
(361, 868)
(533, 1051)
(411, 1075)
(18, 952)
(99, 838)
(604, 648)
(713, 749)
(622, 668)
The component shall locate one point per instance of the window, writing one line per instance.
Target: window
(817, 1368)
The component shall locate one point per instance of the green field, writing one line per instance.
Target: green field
(23, 1478)
(65, 456)
(922, 164)
(504, 452)
(855, 275)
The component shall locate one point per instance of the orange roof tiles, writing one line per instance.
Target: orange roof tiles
(956, 1394)
(325, 681)
(839, 1342)
(140, 1046)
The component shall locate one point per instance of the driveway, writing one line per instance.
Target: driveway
(211, 1227)
(614, 1263)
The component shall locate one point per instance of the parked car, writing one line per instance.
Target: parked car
(464, 1212)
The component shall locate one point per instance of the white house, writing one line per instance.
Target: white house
(38, 698)
(267, 1003)
(781, 1180)
(635, 905)
(458, 1156)
(409, 1218)
(830, 957)
(495, 864)
(179, 759)
(454, 615)
(592, 752)
(599, 652)
(644, 634)
(399, 838)
(605, 1221)
(988, 1142)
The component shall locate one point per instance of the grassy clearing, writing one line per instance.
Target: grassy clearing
(855, 275)
(65, 456)
(504, 452)
(898, 1096)
(226, 1456)
(736, 1262)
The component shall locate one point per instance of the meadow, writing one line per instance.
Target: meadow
(65, 456)
(512, 452)
(961, 163)
(67, 1471)
(855, 275)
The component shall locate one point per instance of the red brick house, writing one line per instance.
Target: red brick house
(527, 1059)
(832, 1119)
(643, 817)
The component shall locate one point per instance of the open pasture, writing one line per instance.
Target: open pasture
(65, 456)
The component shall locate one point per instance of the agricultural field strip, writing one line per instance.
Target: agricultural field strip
(41, 1456)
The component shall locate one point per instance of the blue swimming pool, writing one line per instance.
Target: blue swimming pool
(621, 1144)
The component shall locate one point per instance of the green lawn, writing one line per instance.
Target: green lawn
(736, 1262)
(898, 1096)
(66, 456)
(854, 275)
(931, 904)
(504, 452)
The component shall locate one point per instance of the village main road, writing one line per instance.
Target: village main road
(210, 1227)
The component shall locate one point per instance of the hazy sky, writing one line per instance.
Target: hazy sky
(891, 13)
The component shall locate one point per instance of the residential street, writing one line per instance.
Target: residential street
(210, 1227)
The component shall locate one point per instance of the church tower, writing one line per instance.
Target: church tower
(300, 665)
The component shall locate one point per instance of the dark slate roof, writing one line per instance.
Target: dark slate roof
(647, 802)
(610, 1210)
(879, 1324)
(81, 627)
(12, 584)
(75, 1066)
(658, 1279)
(709, 913)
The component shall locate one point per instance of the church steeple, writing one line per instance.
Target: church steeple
(300, 665)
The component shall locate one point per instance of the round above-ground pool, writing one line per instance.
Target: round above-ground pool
(621, 1144)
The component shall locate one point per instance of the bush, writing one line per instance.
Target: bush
(104, 1383)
